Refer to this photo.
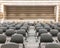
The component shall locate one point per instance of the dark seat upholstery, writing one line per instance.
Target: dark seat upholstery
(38, 25)
(46, 38)
(1, 31)
(52, 45)
(9, 32)
(48, 28)
(37, 28)
(10, 45)
(24, 27)
(11, 27)
(58, 36)
(21, 31)
(54, 32)
(58, 28)
(52, 26)
(17, 26)
(58, 24)
(41, 31)
(4, 28)
(2, 38)
(17, 38)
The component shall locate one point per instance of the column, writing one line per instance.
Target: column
(2, 9)
(57, 13)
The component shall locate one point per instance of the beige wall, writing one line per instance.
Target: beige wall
(1, 14)
(0, 7)
(44, 16)
(30, 0)
(59, 13)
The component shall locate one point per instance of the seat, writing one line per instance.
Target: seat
(24, 27)
(1, 31)
(4, 28)
(46, 38)
(38, 25)
(17, 26)
(37, 28)
(11, 27)
(54, 32)
(52, 26)
(58, 36)
(2, 38)
(52, 45)
(30, 24)
(41, 31)
(48, 28)
(9, 32)
(10, 45)
(17, 38)
(21, 31)
(58, 28)
(58, 24)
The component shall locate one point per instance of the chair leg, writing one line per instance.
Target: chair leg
(37, 39)
(39, 45)
(26, 39)
(23, 46)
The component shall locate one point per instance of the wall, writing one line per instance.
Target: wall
(29, 12)
(36, 3)
(1, 14)
(30, 0)
(59, 13)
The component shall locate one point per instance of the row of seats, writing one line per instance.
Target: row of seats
(45, 28)
(17, 31)
(16, 38)
(53, 32)
(46, 32)
(11, 28)
(14, 33)
(47, 38)
(13, 45)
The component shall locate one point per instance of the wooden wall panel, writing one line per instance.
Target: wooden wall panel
(30, 12)
(1, 15)
(59, 13)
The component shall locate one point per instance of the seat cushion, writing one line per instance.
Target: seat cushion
(10, 45)
(52, 45)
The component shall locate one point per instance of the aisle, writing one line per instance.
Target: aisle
(32, 39)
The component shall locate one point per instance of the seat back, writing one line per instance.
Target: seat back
(41, 31)
(10, 32)
(21, 31)
(2, 38)
(10, 45)
(46, 38)
(54, 32)
(17, 38)
(58, 36)
(52, 45)
(1, 31)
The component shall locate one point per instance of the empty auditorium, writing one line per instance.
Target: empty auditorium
(29, 23)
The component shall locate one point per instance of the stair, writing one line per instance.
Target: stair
(31, 39)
